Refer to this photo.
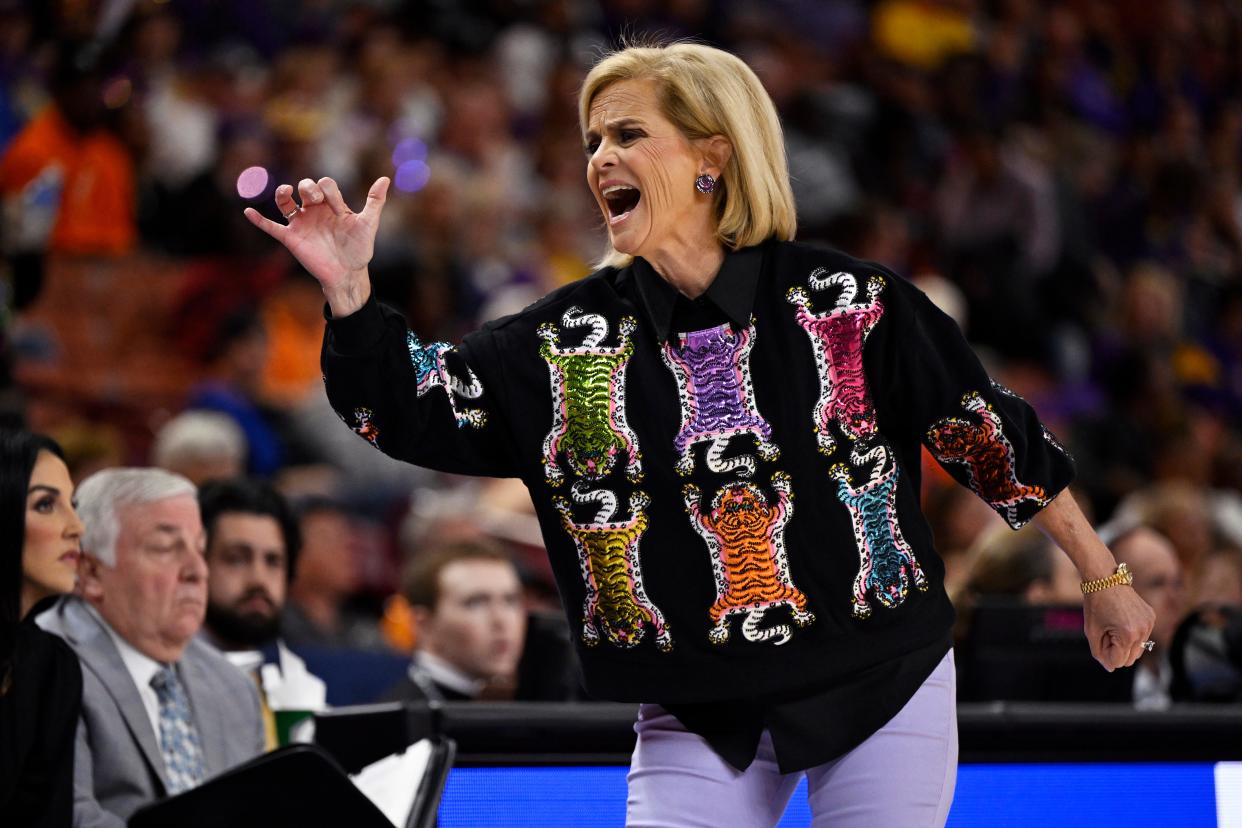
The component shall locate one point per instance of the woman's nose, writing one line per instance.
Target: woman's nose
(75, 527)
(604, 158)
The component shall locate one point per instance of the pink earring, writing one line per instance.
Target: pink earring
(705, 184)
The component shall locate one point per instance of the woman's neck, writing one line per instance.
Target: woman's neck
(691, 268)
(28, 600)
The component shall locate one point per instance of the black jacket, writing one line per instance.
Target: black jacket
(733, 512)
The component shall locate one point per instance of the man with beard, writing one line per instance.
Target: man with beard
(252, 548)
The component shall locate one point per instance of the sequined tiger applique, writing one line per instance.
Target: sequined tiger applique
(608, 556)
(364, 426)
(745, 536)
(431, 372)
(717, 394)
(837, 338)
(1049, 437)
(988, 456)
(886, 562)
(588, 395)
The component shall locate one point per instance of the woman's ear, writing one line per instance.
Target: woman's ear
(717, 150)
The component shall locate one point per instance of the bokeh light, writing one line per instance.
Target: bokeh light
(407, 150)
(252, 182)
(412, 176)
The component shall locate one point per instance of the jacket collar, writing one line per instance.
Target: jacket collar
(733, 290)
(89, 636)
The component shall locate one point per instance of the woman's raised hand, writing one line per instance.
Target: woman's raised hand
(331, 241)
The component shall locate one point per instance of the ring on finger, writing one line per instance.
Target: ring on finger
(1149, 645)
(291, 213)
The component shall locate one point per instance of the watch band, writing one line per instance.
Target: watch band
(1122, 577)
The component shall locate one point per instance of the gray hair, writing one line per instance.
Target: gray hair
(101, 497)
(194, 436)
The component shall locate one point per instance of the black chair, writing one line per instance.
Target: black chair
(1018, 652)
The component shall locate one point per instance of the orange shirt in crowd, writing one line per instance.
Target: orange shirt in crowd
(97, 204)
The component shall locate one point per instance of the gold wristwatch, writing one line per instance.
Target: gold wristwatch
(1122, 577)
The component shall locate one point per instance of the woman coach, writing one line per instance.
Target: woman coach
(720, 429)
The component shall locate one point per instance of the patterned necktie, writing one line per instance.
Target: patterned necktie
(183, 755)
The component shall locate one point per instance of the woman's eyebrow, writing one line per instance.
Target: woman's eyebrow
(619, 123)
(37, 487)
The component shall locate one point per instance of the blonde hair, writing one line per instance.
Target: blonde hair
(706, 92)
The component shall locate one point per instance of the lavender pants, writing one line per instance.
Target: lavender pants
(903, 774)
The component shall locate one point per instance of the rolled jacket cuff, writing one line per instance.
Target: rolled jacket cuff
(361, 331)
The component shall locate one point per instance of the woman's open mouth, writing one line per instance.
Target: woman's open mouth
(621, 200)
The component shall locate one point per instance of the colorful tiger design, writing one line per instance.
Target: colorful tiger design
(712, 369)
(886, 562)
(745, 536)
(837, 338)
(608, 556)
(988, 456)
(1049, 437)
(588, 395)
(432, 372)
(363, 426)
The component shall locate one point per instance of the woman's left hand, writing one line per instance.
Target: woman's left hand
(1117, 622)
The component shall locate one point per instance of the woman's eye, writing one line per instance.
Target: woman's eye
(45, 504)
(591, 147)
(628, 135)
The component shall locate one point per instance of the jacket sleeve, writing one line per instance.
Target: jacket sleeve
(984, 435)
(430, 404)
(87, 812)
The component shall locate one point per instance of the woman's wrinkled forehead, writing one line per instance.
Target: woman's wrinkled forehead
(627, 99)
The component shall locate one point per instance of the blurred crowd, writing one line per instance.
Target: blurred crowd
(1062, 177)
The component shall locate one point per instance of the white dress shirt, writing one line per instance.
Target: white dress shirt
(446, 675)
(142, 668)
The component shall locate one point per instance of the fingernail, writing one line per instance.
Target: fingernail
(317, 197)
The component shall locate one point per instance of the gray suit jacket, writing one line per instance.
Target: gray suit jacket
(118, 766)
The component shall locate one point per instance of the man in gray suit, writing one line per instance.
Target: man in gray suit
(161, 710)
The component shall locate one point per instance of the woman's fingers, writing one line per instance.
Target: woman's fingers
(309, 192)
(332, 194)
(376, 197)
(276, 231)
(284, 200)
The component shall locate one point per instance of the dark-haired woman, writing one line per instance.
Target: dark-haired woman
(40, 679)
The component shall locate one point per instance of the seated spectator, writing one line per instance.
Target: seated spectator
(68, 159)
(234, 387)
(327, 576)
(1020, 627)
(161, 711)
(467, 604)
(1023, 565)
(40, 680)
(252, 551)
(1219, 582)
(1158, 580)
(200, 445)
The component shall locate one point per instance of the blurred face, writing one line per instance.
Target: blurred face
(156, 595)
(1063, 586)
(479, 622)
(199, 470)
(326, 564)
(1157, 578)
(1219, 583)
(247, 567)
(641, 170)
(53, 533)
